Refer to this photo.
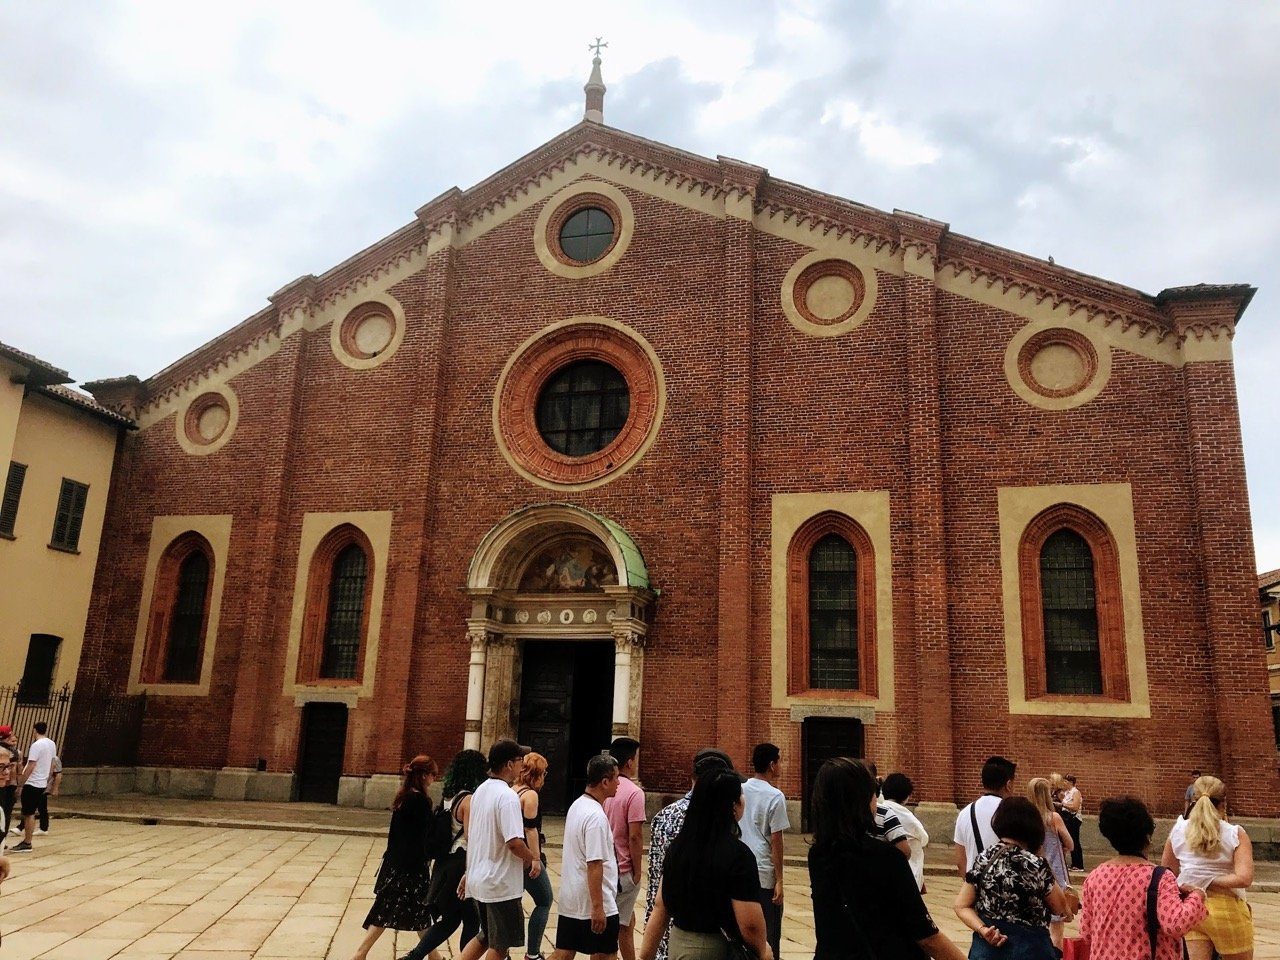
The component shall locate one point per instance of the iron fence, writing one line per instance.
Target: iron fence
(105, 728)
(22, 710)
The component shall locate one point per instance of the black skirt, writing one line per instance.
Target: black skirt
(400, 899)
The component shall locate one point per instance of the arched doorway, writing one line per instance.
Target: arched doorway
(560, 610)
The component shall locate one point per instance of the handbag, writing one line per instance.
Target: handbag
(1073, 948)
(738, 950)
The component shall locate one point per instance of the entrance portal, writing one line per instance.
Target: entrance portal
(324, 738)
(566, 705)
(821, 739)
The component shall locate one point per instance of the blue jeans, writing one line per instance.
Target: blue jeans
(542, 894)
(1024, 943)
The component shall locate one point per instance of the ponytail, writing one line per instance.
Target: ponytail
(1204, 833)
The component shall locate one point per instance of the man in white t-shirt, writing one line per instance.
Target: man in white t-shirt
(497, 855)
(997, 783)
(35, 780)
(589, 921)
(763, 822)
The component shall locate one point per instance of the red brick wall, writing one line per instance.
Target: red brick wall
(913, 401)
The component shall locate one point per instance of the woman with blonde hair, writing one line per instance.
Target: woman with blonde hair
(1057, 847)
(532, 777)
(400, 892)
(1215, 856)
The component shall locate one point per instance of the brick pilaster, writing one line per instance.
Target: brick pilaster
(1205, 317)
(734, 648)
(929, 640)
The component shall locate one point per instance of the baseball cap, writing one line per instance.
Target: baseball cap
(5, 731)
(710, 759)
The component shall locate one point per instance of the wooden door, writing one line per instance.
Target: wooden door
(546, 711)
(324, 744)
(821, 739)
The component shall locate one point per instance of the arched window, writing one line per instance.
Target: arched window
(831, 608)
(337, 612)
(179, 612)
(1073, 626)
(346, 615)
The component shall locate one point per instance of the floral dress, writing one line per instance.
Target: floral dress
(666, 824)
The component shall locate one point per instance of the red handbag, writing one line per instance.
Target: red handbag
(1073, 948)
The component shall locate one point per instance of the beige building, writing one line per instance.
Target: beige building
(57, 447)
(1269, 595)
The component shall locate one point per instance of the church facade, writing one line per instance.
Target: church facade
(624, 439)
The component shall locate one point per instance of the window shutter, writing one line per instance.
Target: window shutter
(12, 494)
(80, 495)
(62, 518)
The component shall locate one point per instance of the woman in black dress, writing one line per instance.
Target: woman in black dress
(866, 905)
(400, 892)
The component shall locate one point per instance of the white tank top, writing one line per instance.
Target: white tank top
(1197, 869)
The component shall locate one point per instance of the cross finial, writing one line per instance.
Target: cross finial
(597, 46)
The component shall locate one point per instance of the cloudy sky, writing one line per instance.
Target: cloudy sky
(165, 166)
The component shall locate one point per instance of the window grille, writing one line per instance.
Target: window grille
(583, 407)
(12, 495)
(182, 664)
(833, 615)
(70, 515)
(346, 614)
(586, 235)
(1073, 657)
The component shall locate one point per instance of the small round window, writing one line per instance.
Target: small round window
(587, 235)
(583, 407)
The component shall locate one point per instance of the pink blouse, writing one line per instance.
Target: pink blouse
(1113, 913)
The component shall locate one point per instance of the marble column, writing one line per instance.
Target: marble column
(628, 680)
(475, 689)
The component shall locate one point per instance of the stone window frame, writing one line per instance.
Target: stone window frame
(803, 542)
(315, 622)
(568, 201)
(1108, 604)
(1112, 506)
(164, 599)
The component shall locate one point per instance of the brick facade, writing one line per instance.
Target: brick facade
(914, 401)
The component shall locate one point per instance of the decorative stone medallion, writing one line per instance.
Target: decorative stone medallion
(208, 421)
(589, 616)
(369, 334)
(566, 616)
(1056, 367)
(522, 616)
(825, 294)
(544, 616)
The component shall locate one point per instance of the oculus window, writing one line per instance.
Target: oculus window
(583, 407)
(587, 235)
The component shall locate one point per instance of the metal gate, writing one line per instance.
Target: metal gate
(23, 712)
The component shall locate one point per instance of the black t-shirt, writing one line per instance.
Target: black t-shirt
(874, 881)
(407, 838)
(728, 872)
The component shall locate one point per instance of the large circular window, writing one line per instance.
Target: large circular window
(579, 403)
(587, 235)
(583, 407)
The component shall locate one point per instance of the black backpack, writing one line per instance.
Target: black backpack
(442, 830)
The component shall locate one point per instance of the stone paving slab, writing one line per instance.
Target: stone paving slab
(107, 889)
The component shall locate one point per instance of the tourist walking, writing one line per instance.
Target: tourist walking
(866, 903)
(709, 896)
(400, 892)
(626, 816)
(533, 775)
(1073, 816)
(763, 824)
(9, 774)
(667, 823)
(496, 856)
(449, 910)
(894, 791)
(1115, 923)
(973, 833)
(1216, 856)
(1010, 895)
(589, 873)
(35, 780)
(1055, 850)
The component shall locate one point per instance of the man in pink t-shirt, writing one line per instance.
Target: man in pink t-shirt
(626, 820)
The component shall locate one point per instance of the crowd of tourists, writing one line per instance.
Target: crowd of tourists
(715, 866)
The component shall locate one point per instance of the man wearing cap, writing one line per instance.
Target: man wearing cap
(667, 823)
(9, 775)
(497, 855)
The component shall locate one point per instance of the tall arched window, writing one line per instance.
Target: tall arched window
(833, 615)
(346, 615)
(1073, 620)
(179, 619)
(337, 608)
(831, 625)
(182, 658)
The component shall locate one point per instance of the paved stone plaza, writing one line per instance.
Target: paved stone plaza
(98, 889)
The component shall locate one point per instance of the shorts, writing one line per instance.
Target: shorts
(577, 935)
(628, 894)
(31, 799)
(1229, 926)
(501, 924)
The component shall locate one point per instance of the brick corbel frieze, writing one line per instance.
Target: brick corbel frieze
(927, 647)
(1205, 311)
